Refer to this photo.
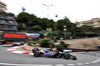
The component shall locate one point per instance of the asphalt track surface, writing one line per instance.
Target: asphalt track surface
(12, 59)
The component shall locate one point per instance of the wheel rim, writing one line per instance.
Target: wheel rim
(36, 54)
(67, 56)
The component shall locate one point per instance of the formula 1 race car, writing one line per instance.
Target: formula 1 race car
(59, 53)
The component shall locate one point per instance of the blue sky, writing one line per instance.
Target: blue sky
(75, 10)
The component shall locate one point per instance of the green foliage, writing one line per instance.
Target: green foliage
(62, 23)
(39, 41)
(86, 28)
(41, 35)
(55, 40)
(57, 37)
(55, 34)
(34, 42)
(67, 36)
(21, 26)
(74, 36)
(26, 22)
(31, 20)
(47, 44)
(36, 28)
(30, 43)
(63, 44)
(59, 46)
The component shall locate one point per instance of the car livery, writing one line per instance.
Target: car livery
(49, 54)
(53, 54)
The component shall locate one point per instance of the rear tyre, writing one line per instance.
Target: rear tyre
(74, 58)
(36, 54)
(67, 56)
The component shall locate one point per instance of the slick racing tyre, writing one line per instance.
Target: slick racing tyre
(67, 56)
(36, 54)
(73, 58)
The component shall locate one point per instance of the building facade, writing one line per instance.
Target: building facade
(3, 6)
(7, 20)
(95, 22)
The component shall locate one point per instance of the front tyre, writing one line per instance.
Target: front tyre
(36, 54)
(67, 56)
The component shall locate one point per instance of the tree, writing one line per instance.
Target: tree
(61, 23)
(36, 28)
(21, 26)
(51, 24)
(43, 23)
(86, 28)
(87, 31)
(23, 17)
(28, 19)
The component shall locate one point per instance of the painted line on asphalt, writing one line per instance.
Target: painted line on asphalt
(8, 64)
(59, 64)
(34, 65)
(87, 63)
(24, 64)
(80, 64)
(96, 61)
(70, 64)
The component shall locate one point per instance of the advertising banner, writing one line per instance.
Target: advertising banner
(32, 36)
(14, 36)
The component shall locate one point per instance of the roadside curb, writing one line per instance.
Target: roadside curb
(13, 50)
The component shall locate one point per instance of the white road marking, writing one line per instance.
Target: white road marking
(86, 63)
(79, 63)
(59, 64)
(34, 65)
(70, 64)
(8, 64)
(95, 61)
